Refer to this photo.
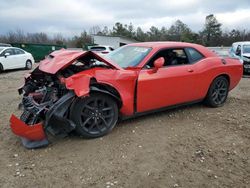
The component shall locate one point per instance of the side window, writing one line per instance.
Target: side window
(10, 51)
(194, 55)
(171, 56)
(18, 52)
(111, 49)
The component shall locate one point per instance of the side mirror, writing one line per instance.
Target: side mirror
(6, 55)
(158, 63)
(238, 52)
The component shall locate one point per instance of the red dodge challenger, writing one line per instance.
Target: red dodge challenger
(83, 92)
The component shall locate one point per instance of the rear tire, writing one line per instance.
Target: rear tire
(95, 115)
(28, 65)
(218, 92)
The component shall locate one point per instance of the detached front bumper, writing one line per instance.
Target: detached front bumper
(19, 128)
(55, 121)
(31, 136)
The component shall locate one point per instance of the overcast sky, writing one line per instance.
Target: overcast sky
(70, 17)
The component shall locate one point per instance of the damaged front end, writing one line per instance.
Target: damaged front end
(50, 92)
(45, 105)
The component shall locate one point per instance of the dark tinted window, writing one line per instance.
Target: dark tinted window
(194, 55)
(171, 57)
(18, 52)
(111, 49)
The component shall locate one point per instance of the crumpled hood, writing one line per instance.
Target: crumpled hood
(60, 59)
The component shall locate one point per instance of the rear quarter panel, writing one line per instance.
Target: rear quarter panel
(210, 68)
(235, 69)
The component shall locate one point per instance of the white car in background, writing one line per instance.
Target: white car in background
(14, 58)
(241, 50)
(101, 49)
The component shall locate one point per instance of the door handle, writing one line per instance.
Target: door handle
(190, 70)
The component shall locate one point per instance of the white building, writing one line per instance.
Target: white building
(112, 41)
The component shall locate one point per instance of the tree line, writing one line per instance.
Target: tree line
(210, 35)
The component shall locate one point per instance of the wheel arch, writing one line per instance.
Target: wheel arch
(224, 75)
(106, 89)
(227, 77)
(28, 60)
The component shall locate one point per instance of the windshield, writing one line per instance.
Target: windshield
(246, 49)
(128, 56)
(1, 49)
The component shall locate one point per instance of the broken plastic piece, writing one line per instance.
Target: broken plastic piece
(31, 132)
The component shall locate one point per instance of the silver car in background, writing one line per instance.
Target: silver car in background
(241, 50)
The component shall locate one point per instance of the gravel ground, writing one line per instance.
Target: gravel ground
(193, 146)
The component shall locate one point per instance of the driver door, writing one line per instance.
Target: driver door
(169, 85)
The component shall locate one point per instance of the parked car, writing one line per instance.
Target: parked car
(88, 93)
(241, 50)
(101, 49)
(4, 45)
(14, 58)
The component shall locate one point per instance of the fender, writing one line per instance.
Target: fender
(121, 80)
(80, 84)
(96, 89)
(81, 87)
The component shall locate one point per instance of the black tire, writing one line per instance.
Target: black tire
(1, 68)
(95, 115)
(218, 92)
(28, 65)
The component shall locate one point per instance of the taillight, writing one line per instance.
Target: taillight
(104, 52)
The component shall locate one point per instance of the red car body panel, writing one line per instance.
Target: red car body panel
(140, 89)
(181, 84)
(122, 80)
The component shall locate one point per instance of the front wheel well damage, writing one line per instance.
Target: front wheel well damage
(108, 90)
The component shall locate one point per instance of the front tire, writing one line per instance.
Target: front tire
(1, 68)
(28, 65)
(218, 92)
(95, 115)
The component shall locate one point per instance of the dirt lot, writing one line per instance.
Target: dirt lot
(193, 146)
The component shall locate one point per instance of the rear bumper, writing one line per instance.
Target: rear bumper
(34, 132)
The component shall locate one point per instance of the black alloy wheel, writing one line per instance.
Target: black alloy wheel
(218, 92)
(95, 115)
